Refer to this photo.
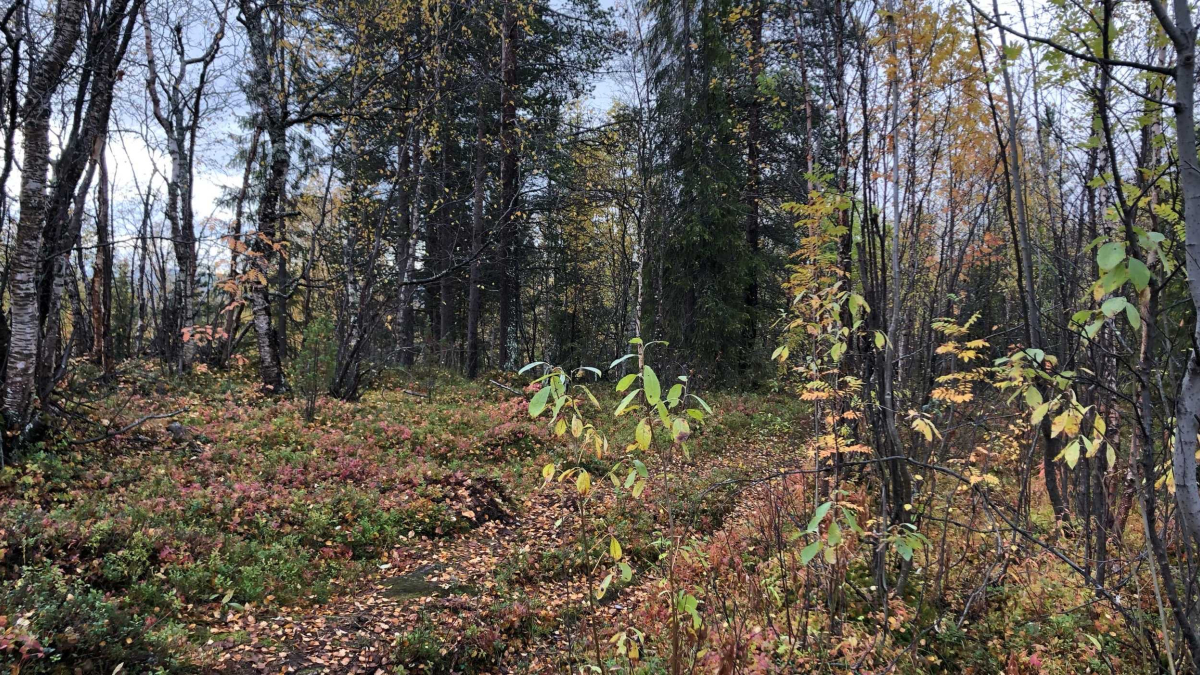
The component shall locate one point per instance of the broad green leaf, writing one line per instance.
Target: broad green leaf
(638, 487)
(538, 404)
(809, 552)
(527, 367)
(626, 571)
(1033, 397)
(1071, 454)
(650, 382)
(818, 516)
(614, 548)
(1113, 305)
(643, 434)
(1139, 274)
(548, 471)
(1081, 317)
(834, 536)
(904, 549)
(1039, 413)
(1131, 314)
(1110, 255)
(680, 429)
(626, 381)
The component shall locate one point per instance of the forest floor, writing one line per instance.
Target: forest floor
(420, 606)
(399, 533)
(212, 529)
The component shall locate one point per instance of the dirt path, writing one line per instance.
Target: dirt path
(451, 581)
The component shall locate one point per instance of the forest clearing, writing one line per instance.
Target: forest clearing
(645, 337)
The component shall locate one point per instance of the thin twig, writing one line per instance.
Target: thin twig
(128, 427)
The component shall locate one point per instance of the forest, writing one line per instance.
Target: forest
(646, 337)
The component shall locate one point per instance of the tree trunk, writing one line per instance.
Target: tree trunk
(509, 292)
(1187, 490)
(1034, 333)
(44, 79)
(100, 290)
(475, 281)
(271, 108)
(753, 172)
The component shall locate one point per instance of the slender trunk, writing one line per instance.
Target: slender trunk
(44, 79)
(102, 270)
(271, 107)
(752, 196)
(1187, 490)
(233, 312)
(509, 292)
(1034, 333)
(475, 282)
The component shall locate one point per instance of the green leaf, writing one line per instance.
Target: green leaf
(1039, 413)
(1113, 305)
(904, 549)
(641, 468)
(1033, 397)
(618, 362)
(1132, 315)
(604, 586)
(809, 552)
(1071, 454)
(650, 382)
(584, 482)
(637, 488)
(625, 402)
(674, 393)
(834, 536)
(538, 404)
(680, 429)
(818, 516)
(548, 471)
(590, 396)
(1139, 274)
(626, 381)
(614, 548)
(643, 434)
(626, 571)
(880, 340)
(1114, 278)
(704, 405)
(527, 367)
(1110, 255)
